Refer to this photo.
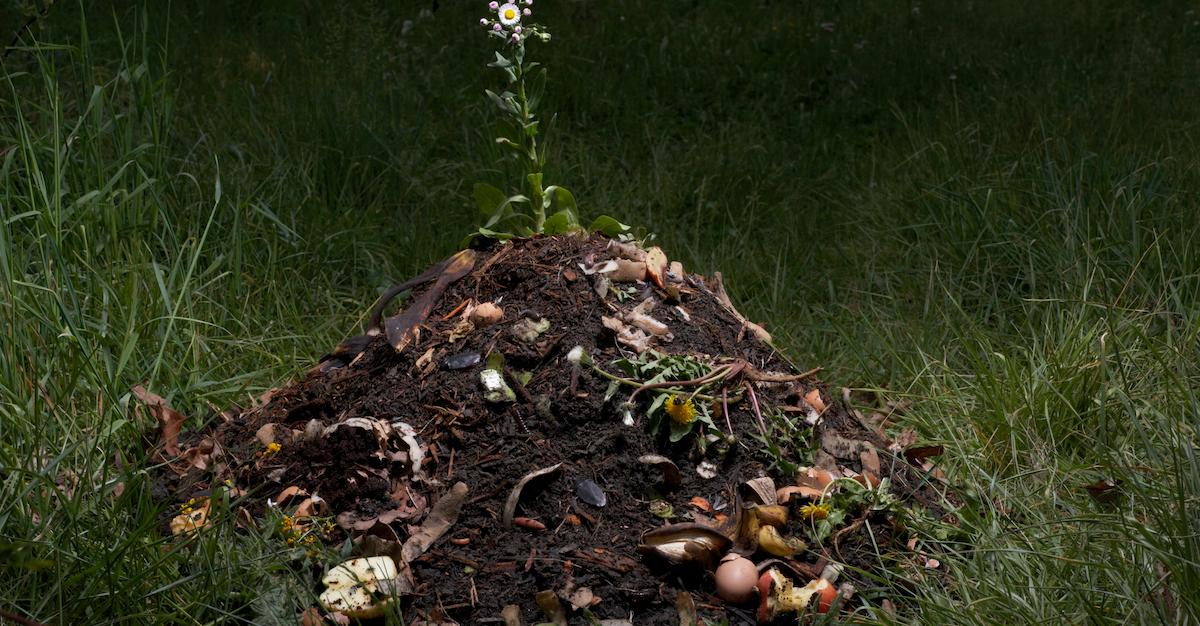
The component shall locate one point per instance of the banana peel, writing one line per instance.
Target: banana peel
(770, 541)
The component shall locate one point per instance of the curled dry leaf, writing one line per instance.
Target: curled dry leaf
(762, 490)
(312, 506)
(404, 328)
(514, 497)
(917, 454)
(442, 516)
(287, 493)
(170, 421)
(410, 501)
(199, 456)
(810, 483)
(377, 428)
(870, 459)
(671, 477)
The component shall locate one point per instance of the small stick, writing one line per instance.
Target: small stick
(458, 309)
(762, 426)
(725, 410)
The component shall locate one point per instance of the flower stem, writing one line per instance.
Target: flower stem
(529, 143)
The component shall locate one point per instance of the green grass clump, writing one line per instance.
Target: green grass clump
(988, 209)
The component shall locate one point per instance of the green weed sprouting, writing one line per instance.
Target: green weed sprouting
(510, 25)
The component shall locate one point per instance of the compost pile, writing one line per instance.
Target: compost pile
(568, 430)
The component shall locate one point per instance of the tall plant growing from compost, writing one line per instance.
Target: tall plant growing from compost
(536, 208)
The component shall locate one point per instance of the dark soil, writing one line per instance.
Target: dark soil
(479, 566)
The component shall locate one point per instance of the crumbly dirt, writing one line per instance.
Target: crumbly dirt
(558, 417)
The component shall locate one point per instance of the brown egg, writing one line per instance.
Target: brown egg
(736, 578)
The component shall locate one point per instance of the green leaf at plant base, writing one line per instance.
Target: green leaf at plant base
(561, 198)
(504, 211)
(561, 222)
(679, 431)
(485, 233)
(488, 198)
(608, 226)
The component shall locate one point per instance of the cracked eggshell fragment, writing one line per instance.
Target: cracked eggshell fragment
(415, 454)
(380, 429)
(352, 587)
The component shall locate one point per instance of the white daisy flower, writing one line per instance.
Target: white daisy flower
(510, 14)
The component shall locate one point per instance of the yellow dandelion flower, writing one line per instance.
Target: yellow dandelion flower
(682, 411)
(273, 447)
(815, 511)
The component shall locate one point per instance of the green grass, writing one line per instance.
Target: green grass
(990, 209)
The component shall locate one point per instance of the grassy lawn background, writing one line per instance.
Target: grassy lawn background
(990, 209)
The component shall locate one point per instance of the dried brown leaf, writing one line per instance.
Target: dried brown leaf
(170, 421)
(917, 454)
(442, 516)
(869, 458)
(404, 328)
(514, 497)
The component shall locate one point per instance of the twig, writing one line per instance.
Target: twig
(725, 409)
(762, 425)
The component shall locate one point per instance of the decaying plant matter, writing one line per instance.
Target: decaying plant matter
(542, 429)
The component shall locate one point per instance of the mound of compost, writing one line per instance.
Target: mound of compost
(569, 416)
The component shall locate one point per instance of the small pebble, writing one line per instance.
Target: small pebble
(460, 361)
(591, 493)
